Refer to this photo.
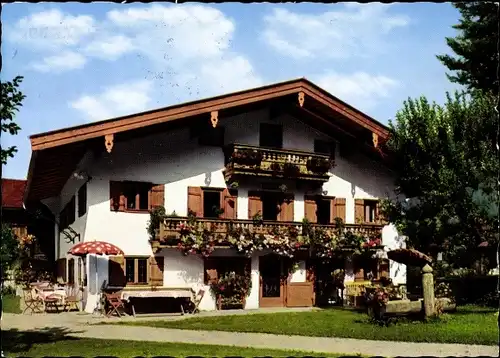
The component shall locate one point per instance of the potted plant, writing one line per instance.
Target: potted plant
(231, 289)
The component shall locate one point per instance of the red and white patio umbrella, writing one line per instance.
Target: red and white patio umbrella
(95, 248)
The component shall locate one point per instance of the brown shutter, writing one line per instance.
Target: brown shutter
(117, 200)
(116, 271)
(254, 204)
(310, 208)
(359, 273)
(61, 270)
(359, 211)
(383, 268)
(229, 200)
(156, 196)
(337, 209)
(156, 268)
(380, 217)
(286, 213)
(195, 200)
(210, 266)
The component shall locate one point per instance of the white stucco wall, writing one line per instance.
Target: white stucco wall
(176, 160)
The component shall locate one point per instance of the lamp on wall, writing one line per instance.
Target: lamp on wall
(81, 175)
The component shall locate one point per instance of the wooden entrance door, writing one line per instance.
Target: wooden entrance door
(272, 283)
(302, 293)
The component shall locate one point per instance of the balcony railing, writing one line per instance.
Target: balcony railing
(172, 227)
(280, 163)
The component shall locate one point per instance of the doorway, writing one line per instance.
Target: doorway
(272, 281)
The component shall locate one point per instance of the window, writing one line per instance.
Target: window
(324, 147)
(67, 215)
(211, 203)
(370, 207)
(82, 200)
(135, 196)
(270, 206)
(71, 271)
(271, 135)
(136, 270)
(212, 137)
(323, 212)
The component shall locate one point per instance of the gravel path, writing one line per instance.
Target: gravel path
(78, 326)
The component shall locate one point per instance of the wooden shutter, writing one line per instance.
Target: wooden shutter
(61, 270)
(117, 199)
(310, 208)
(286, 213)
(359, 211)
(383, 268)
(337, 209)
(156, 196)
(254, 204)
(156, 268)
(116, 271)
(380, 217)
(359, 272)
(229, 200)
(195, 200)
(211, 274)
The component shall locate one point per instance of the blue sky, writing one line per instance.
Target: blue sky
(88, 62)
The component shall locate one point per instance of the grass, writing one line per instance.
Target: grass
(469, 325)
(56, 342)
(11, 303)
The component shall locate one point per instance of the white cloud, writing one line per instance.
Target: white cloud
(65, 61)
(360, 89)
(109, 47)
(185, 47)
(356, 30)
(114, 101)
(52, 30)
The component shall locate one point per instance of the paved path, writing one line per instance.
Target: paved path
(79, 326)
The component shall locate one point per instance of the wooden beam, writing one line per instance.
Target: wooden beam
(375, 139)
(108, 142)
(302, 97)
(214, 118)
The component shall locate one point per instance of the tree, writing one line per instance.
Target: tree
(475, 47)
(11, 101)
(445, 155)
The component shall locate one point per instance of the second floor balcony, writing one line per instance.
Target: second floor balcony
(247, 160)
(203, 233)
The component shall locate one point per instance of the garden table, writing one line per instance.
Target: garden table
(126, 294)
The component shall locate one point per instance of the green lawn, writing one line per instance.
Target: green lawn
(11, 304)
(55, 342)
(469, 325)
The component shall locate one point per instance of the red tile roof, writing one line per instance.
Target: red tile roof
(12, 193)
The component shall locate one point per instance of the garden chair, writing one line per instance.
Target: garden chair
(197, 300)
(72, 299)
(32, 301)
(53, 301)
(114, 304)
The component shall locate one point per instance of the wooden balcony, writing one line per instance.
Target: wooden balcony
(247, 160)
(170, 230)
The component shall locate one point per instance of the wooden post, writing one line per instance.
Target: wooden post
(428, 290)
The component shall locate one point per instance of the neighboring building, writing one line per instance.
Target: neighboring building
(13, 212)
(103, 178)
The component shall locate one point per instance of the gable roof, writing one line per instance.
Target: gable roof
(55, 154)
(140, 120)
(12, 193)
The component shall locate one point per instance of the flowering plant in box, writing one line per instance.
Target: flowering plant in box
(232, 287)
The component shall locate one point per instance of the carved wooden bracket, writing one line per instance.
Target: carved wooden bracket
(214, 118)
(108, 142)
(375, 139)
(302, 97)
